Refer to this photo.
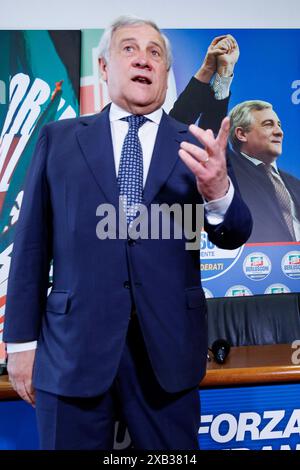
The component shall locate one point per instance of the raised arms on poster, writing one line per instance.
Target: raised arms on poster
(207, 94)
(221, 57)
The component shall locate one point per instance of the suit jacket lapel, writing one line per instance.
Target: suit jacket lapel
(291, 189)
(249, 175)
(96, 144)
(165, 155)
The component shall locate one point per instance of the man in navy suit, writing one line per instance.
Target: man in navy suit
(272, 195)
(124, 327)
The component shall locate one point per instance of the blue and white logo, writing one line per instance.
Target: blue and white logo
(290, 264)
(257, 266)
(277, 289)
(238, 291)
(208, 294)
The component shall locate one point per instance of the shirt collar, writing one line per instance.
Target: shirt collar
(116, 113)
(257, 162)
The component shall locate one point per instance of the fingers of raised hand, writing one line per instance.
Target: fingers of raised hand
(195, 152)
(222, 137)
(217, 39)
(206, 138)
(226, 44)
(198, 167)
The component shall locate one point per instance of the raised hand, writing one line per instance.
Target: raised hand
(209, 163)
(227, 60)
(221, 56)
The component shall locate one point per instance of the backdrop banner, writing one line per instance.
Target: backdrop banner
(39, 82)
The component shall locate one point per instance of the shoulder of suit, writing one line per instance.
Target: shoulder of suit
(81, 121)
(72, 122)
(177, 125)
(290, 178)
(239, 159)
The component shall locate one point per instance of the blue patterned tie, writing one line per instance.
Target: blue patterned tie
(130, 176)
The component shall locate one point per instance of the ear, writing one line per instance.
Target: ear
(241, 134)
(103, 68)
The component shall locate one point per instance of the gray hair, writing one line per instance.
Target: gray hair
(105, 41)
(241, 116)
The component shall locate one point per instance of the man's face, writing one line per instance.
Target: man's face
(264, 140)
(136, 72)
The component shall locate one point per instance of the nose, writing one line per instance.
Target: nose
(141, 61)
(278, 131)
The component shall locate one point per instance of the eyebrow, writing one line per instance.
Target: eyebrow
(271, 120)
(154, 43)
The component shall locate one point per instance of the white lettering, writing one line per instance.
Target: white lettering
(205, 419)
(275, 417)
(106, 227)
(31, 107)
(5, 180)
(2, 92)
(296, 354)
(248, 422)
(295, 97)
(17, 90)
(5, 259)
(293, 426)
(215, 428)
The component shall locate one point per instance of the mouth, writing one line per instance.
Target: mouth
(142, 79)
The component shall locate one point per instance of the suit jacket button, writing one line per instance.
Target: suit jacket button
(126, 285)
(131, 242)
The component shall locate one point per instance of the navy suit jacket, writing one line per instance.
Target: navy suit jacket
(258, 193)
(81, 327)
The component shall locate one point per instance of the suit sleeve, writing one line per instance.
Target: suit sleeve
(236, 227)
(198, 99)
(29, 271)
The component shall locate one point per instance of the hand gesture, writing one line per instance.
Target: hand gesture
(209, 163)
